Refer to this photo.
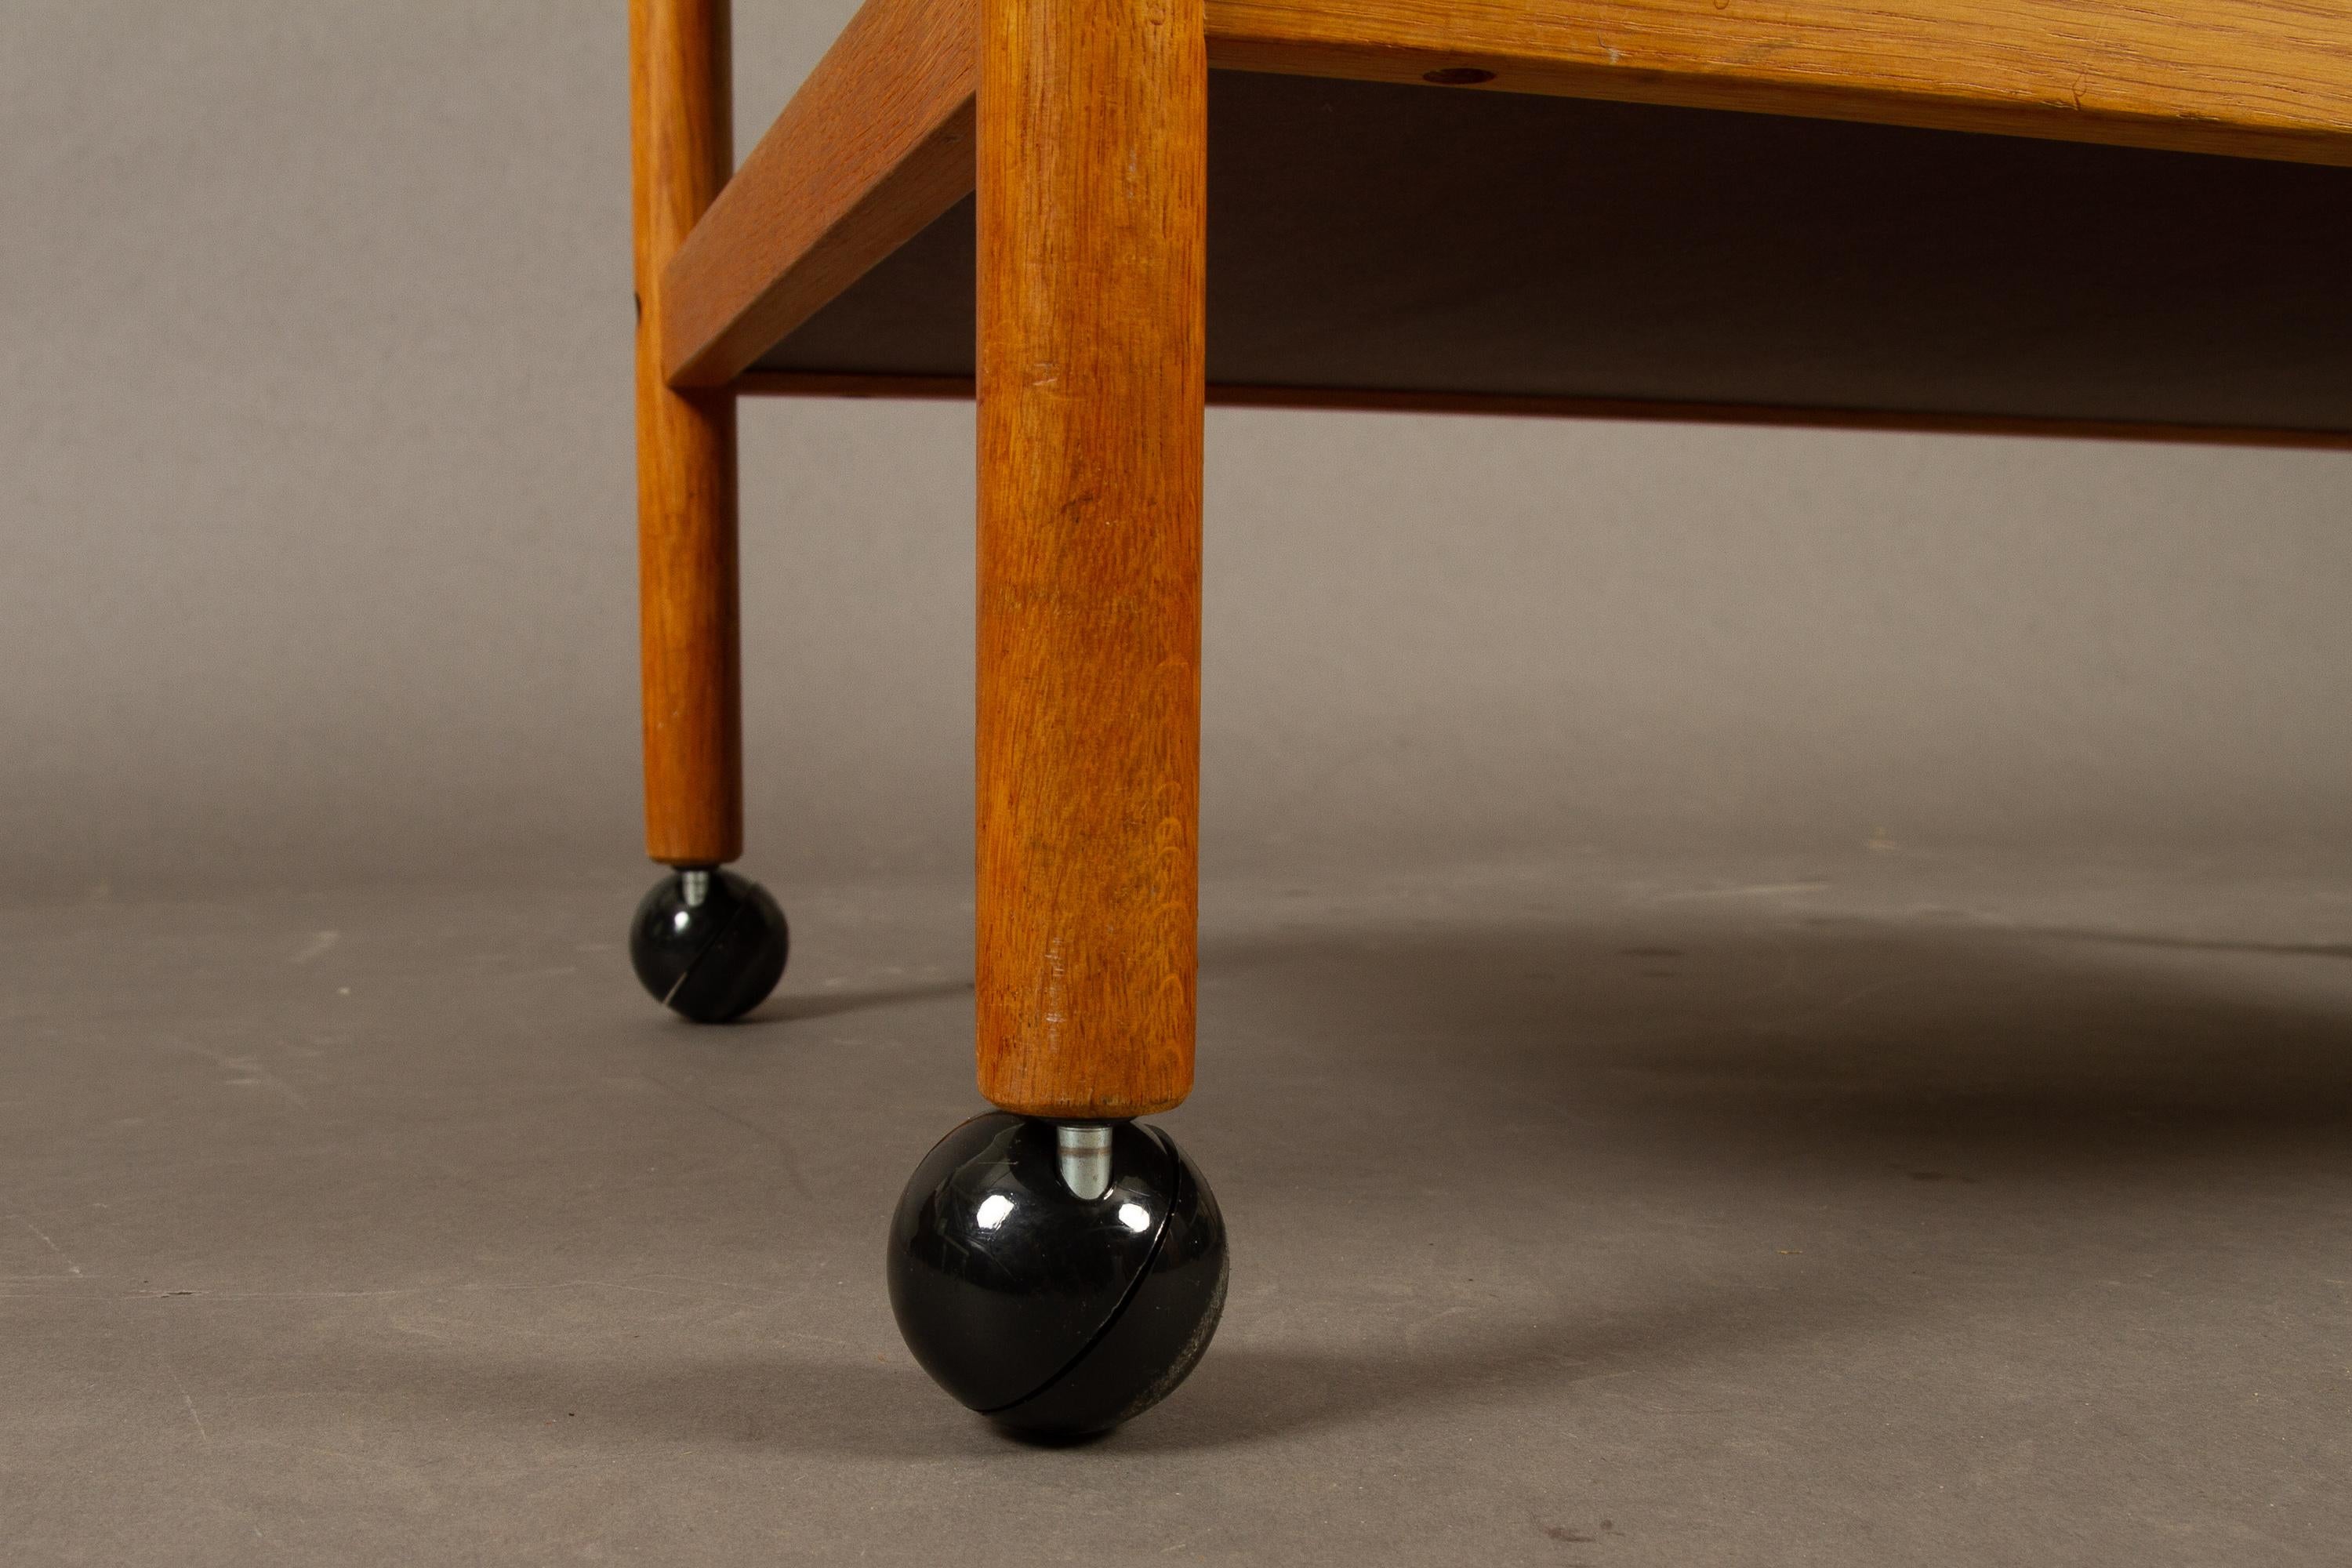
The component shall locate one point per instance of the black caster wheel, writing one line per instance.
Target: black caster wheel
(1058, 1277)
(708, 944)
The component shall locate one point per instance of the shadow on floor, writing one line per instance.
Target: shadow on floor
(2187, 944)
(1855, 1045)
(838, 1405)
(1439, 1069)
(801, 1008)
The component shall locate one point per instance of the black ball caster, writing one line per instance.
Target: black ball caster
(708, 944)
(1058, 1277)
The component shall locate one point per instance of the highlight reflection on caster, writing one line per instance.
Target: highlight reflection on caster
(1059, 1277)
(708, 944)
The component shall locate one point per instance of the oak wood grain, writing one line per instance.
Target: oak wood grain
(1093, 242)
(2264, 79)
(957, 388)
(878, 142)
(875, 144)
(680, 151)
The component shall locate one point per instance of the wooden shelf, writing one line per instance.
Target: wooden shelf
(1852, 249)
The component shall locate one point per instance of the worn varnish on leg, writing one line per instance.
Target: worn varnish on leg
(681, 153)
(1092, 243)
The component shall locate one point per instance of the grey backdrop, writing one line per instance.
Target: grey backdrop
(316, 527)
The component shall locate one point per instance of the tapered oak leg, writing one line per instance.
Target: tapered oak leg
(681, 153)
(708, 943)
(1061, 1268)
(1092, 239)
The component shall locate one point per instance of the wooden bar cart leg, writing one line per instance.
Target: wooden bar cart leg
(1092, 244)
(706, 941)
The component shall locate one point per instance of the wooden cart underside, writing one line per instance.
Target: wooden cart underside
(2073, 218)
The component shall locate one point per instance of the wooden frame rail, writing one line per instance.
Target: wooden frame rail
(958, 389)
(878, 143)
(2253, 78)
(681, 146)
(879, 140)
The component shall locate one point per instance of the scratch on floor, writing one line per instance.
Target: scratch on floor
(71, 1267)
(1757, 891)
(791, 1160)
(462, 1287)
(717, 1284)
(184, 1399)
(256, 1076)
(1815, 1014)
(317, 946)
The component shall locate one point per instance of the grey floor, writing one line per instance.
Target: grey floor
(1884, 1208)
(1890, 1206)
